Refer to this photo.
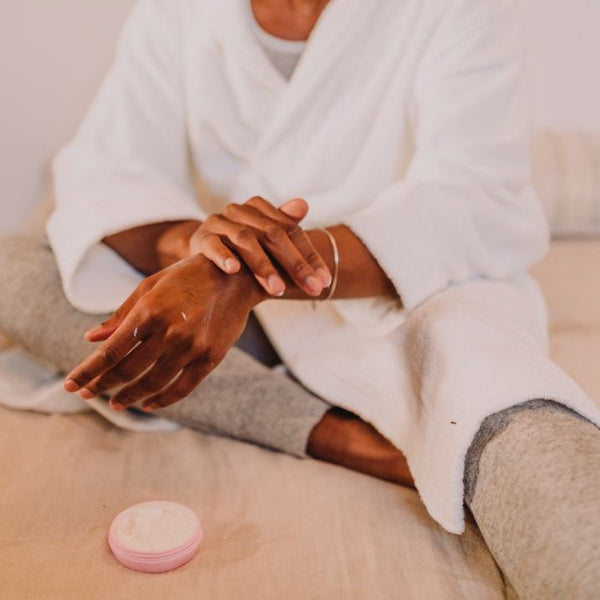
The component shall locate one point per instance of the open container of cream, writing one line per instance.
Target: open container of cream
(155, 536)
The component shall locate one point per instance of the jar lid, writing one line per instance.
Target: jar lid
(155, 536)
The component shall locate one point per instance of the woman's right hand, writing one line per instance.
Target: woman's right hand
(261, 235)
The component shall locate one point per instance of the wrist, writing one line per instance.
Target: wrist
(173, 243)
(253, 292)
(243, 285)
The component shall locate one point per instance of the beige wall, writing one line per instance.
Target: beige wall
(53, 53)
(564, 69)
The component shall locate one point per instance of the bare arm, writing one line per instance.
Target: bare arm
(296, 264)
(359, 276)
(188, 315)
(150, 248)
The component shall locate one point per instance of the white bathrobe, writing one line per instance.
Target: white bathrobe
(406, 120)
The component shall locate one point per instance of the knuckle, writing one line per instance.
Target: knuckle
(274, 233)
(263, 267)
(121, 373)
(200, 239)
(255, 201)
(110, 355)
(98, 387)
(215, 243)
(201, 352)
(299, 267)
(145, 284)
(295, 232)
(151, 319)
(176, 337)
(231, 209)
(148, 385)
(243, 235)
(81, 377)
(210, 221)
(312, 257)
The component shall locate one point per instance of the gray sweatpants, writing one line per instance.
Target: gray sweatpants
(531, 475)
(242, 398)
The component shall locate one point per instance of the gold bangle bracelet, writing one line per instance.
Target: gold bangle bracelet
(336, 263)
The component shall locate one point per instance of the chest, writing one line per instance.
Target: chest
(342, 125)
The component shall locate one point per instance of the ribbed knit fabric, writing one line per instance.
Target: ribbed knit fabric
(533, 487)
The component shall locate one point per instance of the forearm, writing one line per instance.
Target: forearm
(359, 274)
(150, 248)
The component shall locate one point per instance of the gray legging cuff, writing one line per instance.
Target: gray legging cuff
(531, 482)
(246, 400)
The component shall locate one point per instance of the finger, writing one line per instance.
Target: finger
(257, 260)
(110, 353)
(309, 252)
(150, 383)
(283, 245)
(296, 209)
(211, 246)
(245, 242)
(103, 331)
(127, 370)
(289, 222)
(190, 378)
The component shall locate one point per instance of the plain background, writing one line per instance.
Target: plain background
(53, 54)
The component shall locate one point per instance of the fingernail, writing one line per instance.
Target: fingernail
(276, 285)
(230, 264)
(324, 276)
(150, 407)
(86, 394)
(315, 287)
(71, 386)
(116, 405)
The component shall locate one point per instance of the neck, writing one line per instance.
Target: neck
(288, 19)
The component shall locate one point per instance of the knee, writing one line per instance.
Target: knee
(27, 266)
(440, 320)
(21, 252)
(17, 247)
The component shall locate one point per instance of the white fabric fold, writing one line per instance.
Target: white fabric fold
(27, 383)
(407, 121)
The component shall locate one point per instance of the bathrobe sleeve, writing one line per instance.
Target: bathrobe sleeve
(128, 163)
(465, 208)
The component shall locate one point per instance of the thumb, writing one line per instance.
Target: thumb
(296, 209)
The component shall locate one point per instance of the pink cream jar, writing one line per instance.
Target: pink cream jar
(155, 536)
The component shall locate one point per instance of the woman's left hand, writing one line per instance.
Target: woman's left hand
(168, 335)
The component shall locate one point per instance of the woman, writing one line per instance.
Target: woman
(396, 288)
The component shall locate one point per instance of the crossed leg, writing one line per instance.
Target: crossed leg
(242, 398)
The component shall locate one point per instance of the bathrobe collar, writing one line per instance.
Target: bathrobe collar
(336, 27)
(293, 122)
